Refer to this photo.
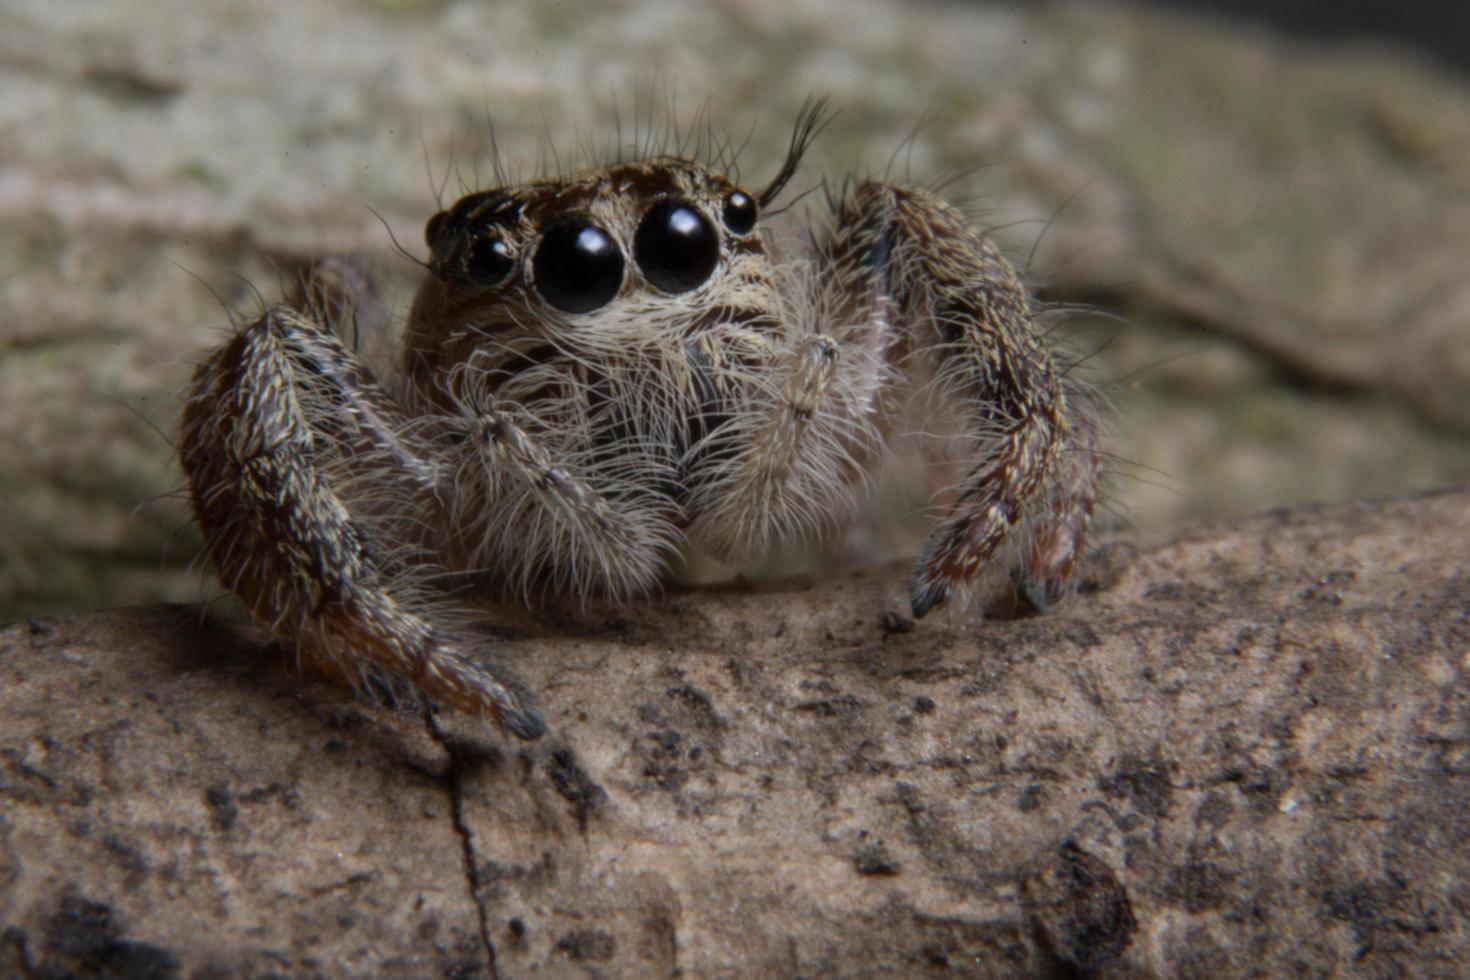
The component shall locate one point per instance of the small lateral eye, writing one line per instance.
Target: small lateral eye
(675, 246)
(489, 261)
(740, 212)
(577, 267)
(432, 229)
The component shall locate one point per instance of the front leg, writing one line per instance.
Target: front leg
(304, 479)
(537, 520)
(960, 308)
(783, 461)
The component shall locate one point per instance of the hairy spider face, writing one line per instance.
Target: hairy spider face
(597, 262)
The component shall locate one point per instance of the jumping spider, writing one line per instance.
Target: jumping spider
(601, 369)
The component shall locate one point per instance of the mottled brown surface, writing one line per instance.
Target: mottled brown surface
(1244, 748)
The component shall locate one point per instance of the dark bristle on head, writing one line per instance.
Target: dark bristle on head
(810, 121)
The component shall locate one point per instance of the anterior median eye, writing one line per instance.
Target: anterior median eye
(675, 246)
(577, 267)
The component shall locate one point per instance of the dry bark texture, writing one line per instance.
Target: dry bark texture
(1246, 748)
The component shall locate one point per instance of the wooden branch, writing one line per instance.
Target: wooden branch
(1246, 748)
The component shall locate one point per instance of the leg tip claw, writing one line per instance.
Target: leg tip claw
(1037, 594)
(926, 596)
(524, 723)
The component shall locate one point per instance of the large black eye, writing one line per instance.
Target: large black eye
(489, 261)
(578, 267)
(675, 246)
(740, 212)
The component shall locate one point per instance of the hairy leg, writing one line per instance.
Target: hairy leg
(535, 519)
(281, 424)
(783, 461)
(960, 307)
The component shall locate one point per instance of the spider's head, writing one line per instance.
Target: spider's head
(597, 264)
(667, 234)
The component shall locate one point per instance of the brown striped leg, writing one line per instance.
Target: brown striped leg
(1059, 531)
(959, 305)
(280, 427)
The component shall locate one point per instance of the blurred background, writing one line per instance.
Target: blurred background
(1270, 202)
(1435, 28)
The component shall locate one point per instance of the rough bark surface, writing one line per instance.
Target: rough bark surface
(1245, 748)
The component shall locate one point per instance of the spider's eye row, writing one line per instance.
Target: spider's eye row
(489, 261)
(675, 246)
(740, 212)
(577, 267)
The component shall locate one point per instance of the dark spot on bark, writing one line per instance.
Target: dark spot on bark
(573, 783)
(84, 940)
(516, 927)
(222, 804)
(842, 706)
(651, 714)
(588, 944)
(1348, 773)
(1080, 913)
(1030, 798)
(923, 705)
(1144, 782)
(1197, 885)
(1261, 786)
(662, 752)
(935, 955)
(131, 858)
(874, 859)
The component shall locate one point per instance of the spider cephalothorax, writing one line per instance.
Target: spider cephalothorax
(600, 371)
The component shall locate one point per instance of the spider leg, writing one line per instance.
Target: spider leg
(782, 464)
(287, 445)
(544, 519)
(959, 307)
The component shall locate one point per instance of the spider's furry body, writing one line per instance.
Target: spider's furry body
(600, 370)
